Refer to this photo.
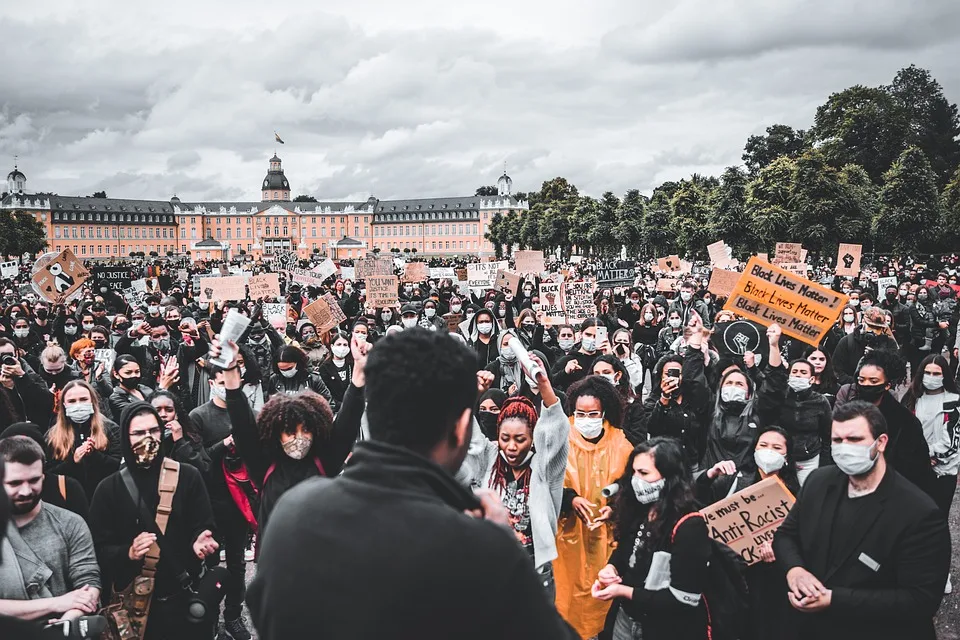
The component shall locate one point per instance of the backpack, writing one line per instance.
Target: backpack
(725, 596)
(243, 491)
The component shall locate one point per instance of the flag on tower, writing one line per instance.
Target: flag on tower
(277, 136)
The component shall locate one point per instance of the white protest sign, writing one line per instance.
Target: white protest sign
(9, 269)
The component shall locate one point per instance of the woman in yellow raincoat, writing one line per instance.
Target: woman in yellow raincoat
(598, 453)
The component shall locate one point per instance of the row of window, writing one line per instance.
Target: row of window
(453, 215)
(433, 230)
(110, 232)
(276, 220)
(434, 246)
(113, 217)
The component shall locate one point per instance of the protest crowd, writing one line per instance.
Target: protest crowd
(529, 448)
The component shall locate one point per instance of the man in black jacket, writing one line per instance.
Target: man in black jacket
(866, 552)
(400, 549)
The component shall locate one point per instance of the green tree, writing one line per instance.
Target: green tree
(487, 190)
(950, 208)
(730, 221)
(21, 233)
(304, 198)
(494, 234)
(586, 216)
(909, 205)
(690, 206)
(600, 234)
(99, 194)
(512, 226)
(820, 201)
(780, 140)
(864, 205)
(529, 224)
(555, 203)
(769, 201)
(628, 231)
(658, 236)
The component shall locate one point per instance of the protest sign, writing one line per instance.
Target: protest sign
(722, 282)
(788, 252)
(617, 272)
(268, 309)
(348, 273)
(367, 267)
(111, 278)
(443, 272)
(507, 282)
(283, 260)
(848, 259)
(767, 294)
(141, 284)
(9, 269)
(224, 270)
(740, 336)
(453, 321)
(483, 275)
(763, 257)
(60, 277)
(416, 272)
(182, 275)
(264, 285)
(719, 253)
(551, 303)
(796, 268)
(883, 283)
(335, 308)
(319, 313)
(528, 262)
(105, 357)
(220, 289)
(750, 517)
(578, 301)
(381, 291)
(668, 264)
(461, 275)
(325, 269)
(304, 276)
(667, 284)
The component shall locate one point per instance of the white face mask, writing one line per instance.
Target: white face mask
(79, 413)
(341, 351)
(409, 323)
(799, 384)
(566, 343)
(455, 308)
(769, 460)
(87, 326)
(430, 312)
(386, 316)
(646, 492)
(648, 317)
(733, 394)
(611, 377)
(288, 373)
(501, 312)
(588, 344)
(854, 459)
(70, 330)
(932, 383)
(484, 327)
(685, 296)
(848, 318)
(589, 428)
(674, 323)
(218, 392)
(153, 309)
(21, 333)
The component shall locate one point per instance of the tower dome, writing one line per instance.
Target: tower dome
(505, 185)
(275, 185)
(16, 181)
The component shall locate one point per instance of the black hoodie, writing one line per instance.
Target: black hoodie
(115, 521)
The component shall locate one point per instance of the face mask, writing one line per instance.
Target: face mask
(799, 384)
(648, 317)
(566, 343)
(866, 306)
(146, 451)
(891, 296)
(675, 323)
(455, 308)
(130, 382)
(501, 312)
(488, 422)
(903, 293)
(848, 318)
(348, 290)
(932, 383)
(386, 316)
(646, 492)
(153, 309)
(769, 460)
(430, 312)
(854, 303)
(21, 333)
(507, 355)
(528, 292)
(163, 344)
(70, 329)
(529, 326)
(853, 459)
(298, 447)
(79, 413)
(341, 351)
(589, 345)
(42, 314)
(484, 327)
(611, 377)
(685, 296)
(589, 428)
(257, 339)
(733, 394)
(409, 323)
(218, 392)
(870, 393)
(288, 373)
(921, 296)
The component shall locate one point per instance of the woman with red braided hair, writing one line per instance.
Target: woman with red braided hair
(525, 465)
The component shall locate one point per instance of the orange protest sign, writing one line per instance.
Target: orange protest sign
(765, 293)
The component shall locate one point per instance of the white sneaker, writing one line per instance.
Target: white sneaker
(248, 555)
(949, 588)
(223, 555)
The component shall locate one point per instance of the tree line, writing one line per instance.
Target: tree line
(880, 167)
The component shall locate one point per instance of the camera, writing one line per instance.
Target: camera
(9, 360)
(205, 595)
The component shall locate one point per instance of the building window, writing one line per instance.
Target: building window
(183, 248)
(285, 232)
(193, 234)
(183, 232)
(356, 231)
(56, 232)
(323, 232)
(276, 195)
(83, 249)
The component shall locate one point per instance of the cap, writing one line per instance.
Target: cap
(408, 308)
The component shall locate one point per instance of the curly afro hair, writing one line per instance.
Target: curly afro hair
(600, 388)
(892, 364)
(284, 413)
(520, 408)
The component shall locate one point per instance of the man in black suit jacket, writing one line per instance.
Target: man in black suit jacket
(866, 552)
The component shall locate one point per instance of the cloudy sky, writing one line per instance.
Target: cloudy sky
(430, 97)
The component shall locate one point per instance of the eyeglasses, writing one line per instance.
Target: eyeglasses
(155, 432)
(593, 415)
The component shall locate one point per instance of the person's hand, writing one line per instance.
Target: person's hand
(490, 508)
(216, 349)
(83, 599)
(600, 592)
(169, 374)
(604, 346)
(804, 586)
(944, 325)
(668, 386)
(12, 370)
(584, 509)
(605, 513)
(773, 334)
(205, 545)
(484, 380)
(722, 468)
(176, 430)
(766, 552)
(99, 371)
(696, 322)
(811, 604)
(359, 350)
(749, 359)
(142, 329)
(80, 452)
(228, 441)
(141, 544)
(540, 315)
(572, 366)
(608, 576)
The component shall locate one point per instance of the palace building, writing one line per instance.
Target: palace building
(109, 228)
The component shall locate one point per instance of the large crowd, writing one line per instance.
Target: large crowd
(457, 465)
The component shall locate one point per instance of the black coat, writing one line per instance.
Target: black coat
(903, 535)
(402, 559)
(851, 348)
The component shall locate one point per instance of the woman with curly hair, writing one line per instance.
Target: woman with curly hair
(83, 443)
(525, 466)
(181, 438)
(598, 451)
(295, 437)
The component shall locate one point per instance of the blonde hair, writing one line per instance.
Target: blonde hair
(61, 436)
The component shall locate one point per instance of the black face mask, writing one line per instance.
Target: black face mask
(870, 393)
(488, 424)
(42, 314)
(130, 382)
(892, 296)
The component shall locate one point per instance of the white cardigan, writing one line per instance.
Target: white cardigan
(551, 441)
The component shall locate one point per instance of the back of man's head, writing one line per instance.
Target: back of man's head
(418, 384)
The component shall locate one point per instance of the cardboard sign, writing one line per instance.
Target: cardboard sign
(461, 275)
(283, 260)
(668, 264)
(750, 517)
(483, 275)
(416, 272)
(382, 291)
(883, 283)
(60, 277)
(788, 252)
(766, 294)
(319, 313)
(848, 259)
(141, 284)
(265, 285)
(9, 269)
(269, 309)
(763, 256)
(309, 278)
(665, 285)
(618, 272)
(578, 301)
(453, 321)
(325, 269)
(722, 282)
(367, 267)
(551, 303)
(182, 275)
(111, 278)
(507, 282)
(528, 262)
(335, 308)
(443, 272)
(796, 268)
(348, 273)
(220, 289)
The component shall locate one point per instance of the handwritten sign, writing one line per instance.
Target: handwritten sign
(796, 268)
(665, 285)
(9, 269)
(721, 254)
(348, 273)
(335, 308)
(883, 283)
(617, 272)
(766, 294)
(443, 272)
(668, 264)
(722, 282)
(483, 275)
(551, 303)
(59, 278)
(325, 269)
(453, 321)
(307, 277)
(507, 282)
(528, 262)
(183, 275)
(381, 291)
(320, 315)
(750, 517)
(269, 309)
(220, 289)
(416, 272)
(788, 252)
(578, 301)
(367, 267)
(264, 285)
(848, 259)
